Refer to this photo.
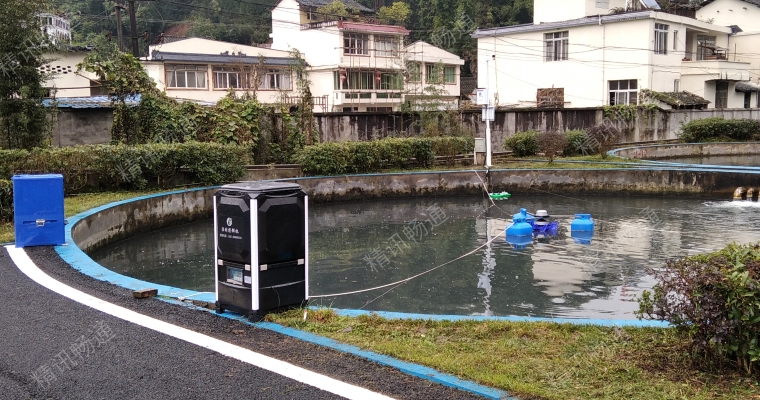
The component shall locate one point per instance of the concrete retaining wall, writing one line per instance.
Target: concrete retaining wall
(129, 218)
(134, 217)
(688, 150)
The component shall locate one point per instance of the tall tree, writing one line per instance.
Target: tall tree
(24, 121)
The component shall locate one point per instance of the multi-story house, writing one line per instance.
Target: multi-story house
(56, 27)
(206, 70)
(590, 53)
(743, 16)
(362, 65)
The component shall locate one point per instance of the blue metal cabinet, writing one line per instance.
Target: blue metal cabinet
(38, 210)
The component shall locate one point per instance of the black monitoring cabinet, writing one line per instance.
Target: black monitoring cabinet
(262, 247)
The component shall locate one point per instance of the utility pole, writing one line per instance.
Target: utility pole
(488, 116)
(133, 29)
(119, 28)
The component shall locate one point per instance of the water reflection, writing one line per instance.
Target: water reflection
(553, 276)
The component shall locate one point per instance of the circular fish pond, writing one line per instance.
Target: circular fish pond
(362, 245)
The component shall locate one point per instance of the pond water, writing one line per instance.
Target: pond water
(361, 245)
(752, 160)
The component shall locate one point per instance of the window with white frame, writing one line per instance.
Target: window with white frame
(186, 76)
(675, 40)
(391, 81)
(386, 46)
(624, 92)
(676, 85)
(660, 39)
(556, 45)
(449, 75)
(229, 78)
(275, 79)
(413, 70)
(433, 73)
(355, 43)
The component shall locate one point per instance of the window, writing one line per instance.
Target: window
(186, 76)
(721, 94)
(433, 73)
(449, 75)
(660, 39)
(705, 47)
(386, 46)
(367, 80)
(675, 40)
(556, 46)
(602, 3)
(624, 92)
(380, 109)
(229, 78)
(413, 69)
(676, 85)
(275, 79)
(391, 81)
(354, 43)
(747, 99)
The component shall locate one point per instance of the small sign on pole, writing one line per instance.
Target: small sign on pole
(481, 97)
(487, 114)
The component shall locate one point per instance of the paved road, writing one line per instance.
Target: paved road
(54, 348)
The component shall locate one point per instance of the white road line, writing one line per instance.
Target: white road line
(27, 266)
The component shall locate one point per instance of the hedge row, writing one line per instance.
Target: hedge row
(373, 156)
(6, 200)
(124, 167)
(524, 144)
(719, 128)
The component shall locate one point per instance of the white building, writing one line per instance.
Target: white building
(206, 70)
(362, 66)
(744, 44)
(577, 54)
(63, 78)
(56, 27)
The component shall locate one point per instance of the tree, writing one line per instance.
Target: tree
(334, 10)
(24, 121)
(398, 13)
(124, 77)
(550, 143)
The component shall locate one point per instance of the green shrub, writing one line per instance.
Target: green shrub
(12, 161)
(719, 128)
(714, 299)
(6, 200)
(523, 143)
(372, 156)
(575, 143)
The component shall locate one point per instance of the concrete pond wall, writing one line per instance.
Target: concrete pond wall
(128, 218)
(677, 150)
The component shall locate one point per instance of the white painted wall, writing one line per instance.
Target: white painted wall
(207, 46)
(732, 12)
(64, 80)
(745, 47)
(599, 54)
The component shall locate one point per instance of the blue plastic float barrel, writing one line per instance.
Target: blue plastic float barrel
(582, 223)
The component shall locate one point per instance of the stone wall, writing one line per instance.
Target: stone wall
(83, 126)
(92, 126)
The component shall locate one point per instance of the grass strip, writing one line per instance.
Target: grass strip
(536, 360)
